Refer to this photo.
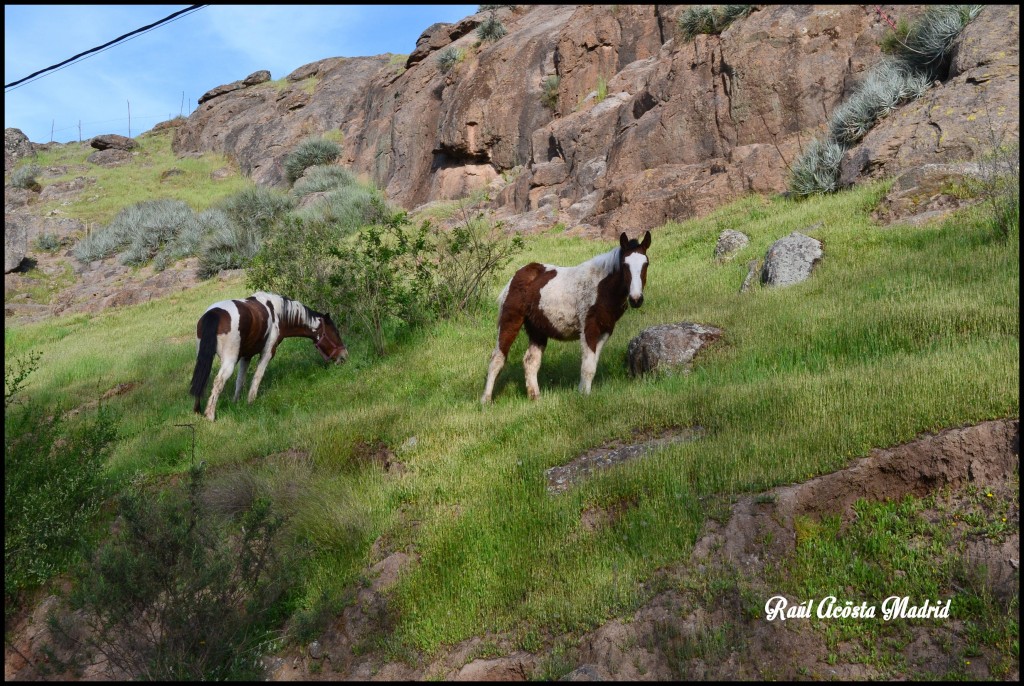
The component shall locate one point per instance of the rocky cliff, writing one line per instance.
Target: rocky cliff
(646, 127)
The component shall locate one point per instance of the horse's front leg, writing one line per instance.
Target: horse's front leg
(531, 365)
(590, 356)
(243, 369)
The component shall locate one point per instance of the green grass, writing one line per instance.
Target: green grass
(138, 180)
(900, 330)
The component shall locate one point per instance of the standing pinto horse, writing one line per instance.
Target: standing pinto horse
(564, 303)
(236, 330)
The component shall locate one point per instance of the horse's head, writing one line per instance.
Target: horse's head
(328, 341)
(633, 264)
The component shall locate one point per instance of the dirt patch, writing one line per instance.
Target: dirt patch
(377, 453)
(119, 389)
(564, 477)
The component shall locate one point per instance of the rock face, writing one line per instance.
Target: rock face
(641, 127)
(926, 192)
(668, 346)
(790, 260)
(112, 141)
(15, 240)
(111, 157)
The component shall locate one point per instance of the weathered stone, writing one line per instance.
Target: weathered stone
(16, 198)
(730, 242)
(315, 650)
(515, 667)
(220, 90)
(256, 78)
(63, 190)
(790, 260)
(751, 278)
(16, 146)
(588, 673)
(112, 141)
(668, 346)
(109, 158)
(171, 173)
(929, 191)
(15, 240)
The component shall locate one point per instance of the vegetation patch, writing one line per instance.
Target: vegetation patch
(710, 19)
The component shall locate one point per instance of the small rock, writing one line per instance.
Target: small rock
(315, 650)
(730, 242)
(790, 260)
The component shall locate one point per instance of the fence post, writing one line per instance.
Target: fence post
(129, 118)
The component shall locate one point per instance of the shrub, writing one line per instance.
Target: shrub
(602, 89)
(468, 257)
(710, 19)
(817, 170)
(348, 207)
(449, 57)
(929, 42)
(888, 85)
(257, 208)
(48, 242)
(308, 153)
(180, 594)
(53, 485)
(490, 29)
(25, 177)
(236, 228)
(999, 187)
(550, 95)
(323, 177)
(143, 230)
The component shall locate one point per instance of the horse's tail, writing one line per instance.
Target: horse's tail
(204, 359)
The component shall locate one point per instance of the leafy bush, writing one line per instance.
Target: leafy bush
(929, 42)
(550, 96)
(468, 256)
(449, 57)
(53, 485)
(817, 170)
(142, 231)
(323, 177)
(710, 19)
(349, 207)
(176, 596)
(490, 29)
(235, 229)
(25, 177)
(308, 153)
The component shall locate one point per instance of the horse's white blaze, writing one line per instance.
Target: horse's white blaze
(636, 263)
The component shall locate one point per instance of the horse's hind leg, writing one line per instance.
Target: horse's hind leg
(243, 369)
(227, 366)
(508, 328)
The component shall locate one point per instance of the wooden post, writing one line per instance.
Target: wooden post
(79, 130)
(129, 118)
(180, 111)
(52, 122)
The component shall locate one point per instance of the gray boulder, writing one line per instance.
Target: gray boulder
(111, 157)
(112, 141)
(16, 146)
(15, 240)
(790, 260)
(729, 243)
(668, 346)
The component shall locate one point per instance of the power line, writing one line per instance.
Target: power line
(105, 46)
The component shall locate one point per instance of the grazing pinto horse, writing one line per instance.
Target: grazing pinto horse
(565, 303)
(236, 330)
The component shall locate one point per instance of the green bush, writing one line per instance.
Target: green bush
(308, 153)
(48, 242)
(889, 84)
(550, 95)
(449, 57)
(710, 19)
(25, 177)
(53, 485)
(143, 230)
(929, 42)
(490, 29)
(234, 230)
(349, 207)
(323, 177)
(207, 589)
(817, 170)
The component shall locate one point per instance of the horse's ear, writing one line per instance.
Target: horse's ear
(646, 242)
(623, 240)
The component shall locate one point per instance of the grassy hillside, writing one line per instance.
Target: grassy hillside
(899, 331)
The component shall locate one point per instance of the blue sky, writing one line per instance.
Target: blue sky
(192, 54)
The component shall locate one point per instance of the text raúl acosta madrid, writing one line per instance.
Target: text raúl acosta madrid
(893, 607)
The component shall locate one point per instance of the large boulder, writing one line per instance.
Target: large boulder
(111, 157)
(16, 146)
(15, 240)
(791, 259)
(112, 141)
(927, 192)
(668, 347)
(729, 243)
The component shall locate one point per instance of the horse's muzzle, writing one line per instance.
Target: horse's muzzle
(636, 302)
